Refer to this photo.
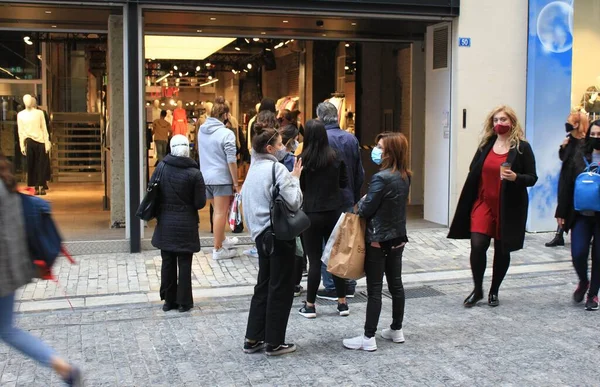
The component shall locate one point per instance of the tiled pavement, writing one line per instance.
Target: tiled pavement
(537, 337)
(137, 274)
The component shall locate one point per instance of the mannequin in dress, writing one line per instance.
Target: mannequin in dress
(156, 110)
(34, 142)
(180, 120)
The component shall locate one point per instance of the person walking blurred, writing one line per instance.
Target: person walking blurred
(17, 270)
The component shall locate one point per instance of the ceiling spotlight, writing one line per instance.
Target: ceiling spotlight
(192, 103)
(147, 103)
(267, 49)
(187, 73)
(256, 39)
(324, 34)
(263, 33)
(245, 70)
(175, 68)
(26, 39)
(198, 31)
(247, 40)
(162, 104)
(233, 71)
(285, 21)
(48, 12)
(346, 67)
(213, 18)
(249, 65)
(237, 48)
(347, 45)
(209, 77)
(53, 26)
(197, 68)
(180, 74)
(208, 64)
(353, 24)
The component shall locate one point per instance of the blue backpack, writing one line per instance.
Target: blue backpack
(587, 189)
(43, 238)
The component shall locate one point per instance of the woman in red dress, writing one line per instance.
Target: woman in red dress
(180, 124)
(494, 200)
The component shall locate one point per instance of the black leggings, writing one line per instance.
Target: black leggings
(479, 246)
(321, 226)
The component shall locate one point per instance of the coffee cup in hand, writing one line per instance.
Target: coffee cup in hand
(504, 167)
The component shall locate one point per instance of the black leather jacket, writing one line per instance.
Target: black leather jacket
(384, 206)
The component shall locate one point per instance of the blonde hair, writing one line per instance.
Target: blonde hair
(579, 117)
(516, 132)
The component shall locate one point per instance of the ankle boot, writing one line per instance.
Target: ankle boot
(558, 240)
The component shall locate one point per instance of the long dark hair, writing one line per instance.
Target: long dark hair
(6, 174)
(316, 152)
(288, 132)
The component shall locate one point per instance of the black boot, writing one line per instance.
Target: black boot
(558, 240)
(212, 211)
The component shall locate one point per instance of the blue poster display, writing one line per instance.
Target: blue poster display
(549, 63)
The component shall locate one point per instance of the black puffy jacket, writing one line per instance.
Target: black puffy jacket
(384, 206)
(182, 194)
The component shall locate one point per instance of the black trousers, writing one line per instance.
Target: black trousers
(479, 246)
(321, 226)
(273, 294)
(37, 161)
(300, 262)
(377, 262)
(171, 290)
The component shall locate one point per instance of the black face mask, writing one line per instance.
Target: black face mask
(569, 127)
(595, 142)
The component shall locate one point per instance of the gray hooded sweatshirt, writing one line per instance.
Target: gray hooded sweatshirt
(216, 146)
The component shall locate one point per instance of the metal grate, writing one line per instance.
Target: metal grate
(359, 297)
(440, 48)
(420, 292)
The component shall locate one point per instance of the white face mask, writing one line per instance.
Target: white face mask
(280, 154)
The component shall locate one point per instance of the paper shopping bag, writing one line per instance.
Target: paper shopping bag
(347, 258)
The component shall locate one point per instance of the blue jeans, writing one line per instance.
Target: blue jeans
(29, 345)
(584, 229)
(328, 278)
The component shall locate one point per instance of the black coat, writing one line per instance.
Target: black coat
(514, 200)
(182, 193)
(384, 206)
(566, 180)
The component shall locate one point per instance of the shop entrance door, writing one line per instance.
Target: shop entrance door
(437, 122)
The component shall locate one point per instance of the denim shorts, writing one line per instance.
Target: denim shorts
(215, 191)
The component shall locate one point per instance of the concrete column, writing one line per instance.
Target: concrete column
(116, 114)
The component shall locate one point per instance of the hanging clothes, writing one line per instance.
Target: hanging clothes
(180, 122)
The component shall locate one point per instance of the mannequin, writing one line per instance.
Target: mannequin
(169, 117)
(34, 142)
(156, 110)
(180, 120)
(48, 174)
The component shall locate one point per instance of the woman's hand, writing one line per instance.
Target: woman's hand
(561, 222)
(297, 171)
(509, 175)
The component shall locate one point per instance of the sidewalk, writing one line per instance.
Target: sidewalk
(115, 279)
(536, 337)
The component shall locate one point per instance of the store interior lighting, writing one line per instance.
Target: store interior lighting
(183, 47)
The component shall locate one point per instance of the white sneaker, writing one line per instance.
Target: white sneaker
(397, 336)
(223, 253)
(361, 342)
(251, 252)
(228, 243)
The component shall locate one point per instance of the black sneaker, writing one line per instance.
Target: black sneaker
(579, 293)
(280, 349)
(343, 309)
(253, 347)
(591, 303)
(298, 290)
(327, 294)
(75, 378)
(308, 311)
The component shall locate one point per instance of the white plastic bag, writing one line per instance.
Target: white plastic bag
(331, 241)
(235, 213)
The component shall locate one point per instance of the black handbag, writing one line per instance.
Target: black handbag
(148, 208)
(286, 225)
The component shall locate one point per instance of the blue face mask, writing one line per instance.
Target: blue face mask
(376, 155)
